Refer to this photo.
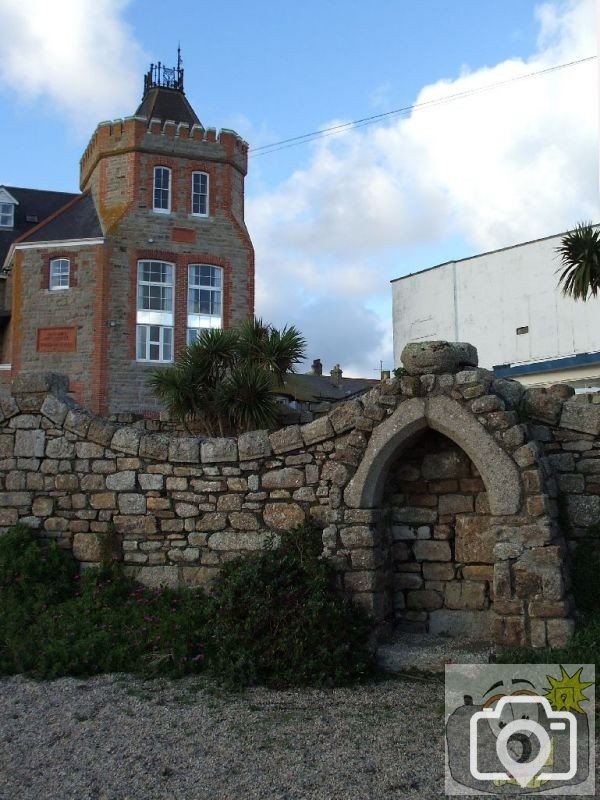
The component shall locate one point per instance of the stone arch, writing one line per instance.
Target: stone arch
(499, 472)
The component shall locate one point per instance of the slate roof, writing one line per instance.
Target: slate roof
(36, 204)
(308, 388)
(162, 103)
(77, 220)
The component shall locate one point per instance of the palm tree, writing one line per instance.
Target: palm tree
(579, 252)
(224, 381)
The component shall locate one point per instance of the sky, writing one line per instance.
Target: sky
(335, 218)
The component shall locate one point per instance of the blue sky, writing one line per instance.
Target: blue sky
(333, 220)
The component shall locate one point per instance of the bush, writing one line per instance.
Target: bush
(278, 620)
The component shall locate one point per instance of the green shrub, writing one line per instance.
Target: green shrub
(278, 620)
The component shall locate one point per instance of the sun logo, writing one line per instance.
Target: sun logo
(566, 693)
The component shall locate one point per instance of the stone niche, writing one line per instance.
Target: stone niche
(436, 526)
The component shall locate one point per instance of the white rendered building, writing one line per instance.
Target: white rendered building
(507, 303)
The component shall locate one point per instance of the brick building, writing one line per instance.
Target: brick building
(106, 285)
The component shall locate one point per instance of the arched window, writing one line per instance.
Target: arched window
(162, 189)
(60, 269)
(205, 299)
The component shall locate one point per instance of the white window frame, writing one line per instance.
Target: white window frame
(198, 321)
(155, 325)
(159, 169)
(151, 336)
(7, 215)
(59, 271)
(199, 195)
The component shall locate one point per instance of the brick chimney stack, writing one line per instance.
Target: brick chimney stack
(336, 375)
(316, 367)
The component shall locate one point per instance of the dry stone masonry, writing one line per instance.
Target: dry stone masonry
(447, 499)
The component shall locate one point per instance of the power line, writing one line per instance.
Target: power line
(294, 141)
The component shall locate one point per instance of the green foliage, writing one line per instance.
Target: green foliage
(400, 372)
(224, 380)
(579, 252)
(278, 620)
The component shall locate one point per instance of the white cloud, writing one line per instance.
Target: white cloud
(495, 168)
(77, 56)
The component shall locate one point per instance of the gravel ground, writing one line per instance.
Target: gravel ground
(118, 738)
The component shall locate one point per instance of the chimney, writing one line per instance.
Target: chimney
(336, 375)
(385, 374)
(317, 367)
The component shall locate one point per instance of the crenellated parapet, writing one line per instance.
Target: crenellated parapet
(120, 136)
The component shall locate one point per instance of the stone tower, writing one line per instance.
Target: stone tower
(154, 250)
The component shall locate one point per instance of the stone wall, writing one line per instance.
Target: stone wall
(437, 495)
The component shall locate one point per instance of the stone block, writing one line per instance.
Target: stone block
(283, 516)
(54, 409)
(584, 417)
(465, 595)
(470, 624)
(43, 507)
(415, 516)
(474, 540)
(155, 576)
(432, 551)
(487, 403)
(211, 521)
(509, 390)
(121, 481)
(127, 440)
(30, 443)
(135, 524)
(286, 478)
(367, 581)
(239, 540)
(509, 631)
(154, 445)
(214, 451)
(254, 444)
(407, 580)
(187, 510)
(317, 431)
(335, 473)
(358, 536)
(8, 516)
(433, 571)
(542, 405)
(410, 386)
(99, 430)
(549, 609)
(437, 357)
(583, 510)
(132, 503)
(86, 450)
(149, 482)
(184, 449)
(15, 499)
(478, 572)
(243, 521)
(229, 502)
(366, 559)
(87, 547)
(559, 632)
(455, 504)
(103, 500)
(344, 416)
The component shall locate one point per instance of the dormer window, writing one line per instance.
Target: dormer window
(162, 190)
(7, 209)
(7, 215)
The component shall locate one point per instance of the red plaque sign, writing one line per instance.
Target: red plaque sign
(56, 340)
